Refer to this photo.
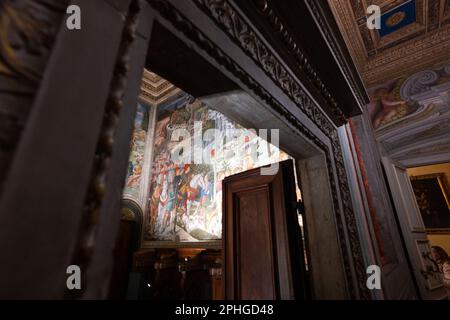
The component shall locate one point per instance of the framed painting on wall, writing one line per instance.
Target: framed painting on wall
(432, 194)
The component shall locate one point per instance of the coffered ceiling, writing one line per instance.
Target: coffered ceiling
(156, 89)
(414, 35)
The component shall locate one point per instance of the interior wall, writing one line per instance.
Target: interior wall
(389, 251)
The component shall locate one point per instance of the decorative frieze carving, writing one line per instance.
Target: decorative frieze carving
(337, 52)
(243, 34)
(294, 49)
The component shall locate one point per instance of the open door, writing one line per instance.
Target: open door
(428, 280)
(263, 250)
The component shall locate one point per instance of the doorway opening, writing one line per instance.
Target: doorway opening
(181, 151)
(176, 249)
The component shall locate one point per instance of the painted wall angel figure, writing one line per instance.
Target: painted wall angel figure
(386, 106)
(443, 261)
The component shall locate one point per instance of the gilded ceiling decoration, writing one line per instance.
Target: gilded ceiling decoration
(155, 89)
(414, 35)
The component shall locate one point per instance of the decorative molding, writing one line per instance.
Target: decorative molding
(346, 223)
(229, 20)
(131, 211)
(349, 28)
(355, 84)
(281, 30)
(27, 33)
(126, 214)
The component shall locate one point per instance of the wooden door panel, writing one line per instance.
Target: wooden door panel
(253, 207)
(263, 253)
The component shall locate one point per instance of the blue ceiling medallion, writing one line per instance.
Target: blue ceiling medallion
(398, 18)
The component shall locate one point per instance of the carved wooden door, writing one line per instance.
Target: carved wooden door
(263, 250)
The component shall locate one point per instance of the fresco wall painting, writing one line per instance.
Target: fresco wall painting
(137, 153)
(186, 198)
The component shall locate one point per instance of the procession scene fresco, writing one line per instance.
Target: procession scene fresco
(186, 195)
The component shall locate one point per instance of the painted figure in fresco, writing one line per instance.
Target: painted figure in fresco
(177, 183)
(205, 194)
(170, 201)
(443, 261)
(183, 190)
(385, 107)
(136, 160)
(157, 189)
(162, 203)
(214, 221)
(129, 170)
(161, 132)
(133, 180)
(193, 193)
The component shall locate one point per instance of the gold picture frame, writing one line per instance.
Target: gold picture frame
(432, 195)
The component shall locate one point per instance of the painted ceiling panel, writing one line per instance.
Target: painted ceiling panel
(415, 35)
(398, 18)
